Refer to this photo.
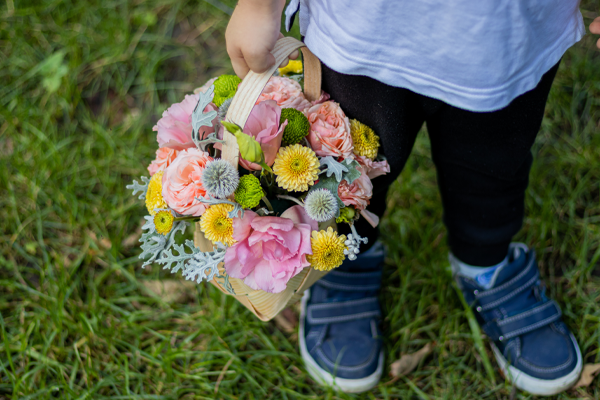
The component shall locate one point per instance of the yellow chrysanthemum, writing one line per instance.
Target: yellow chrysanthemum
(366, 142)
(163, 221)
(154, 199)
(216, 224)
(296, 167)
(328, 250)
(293, 67)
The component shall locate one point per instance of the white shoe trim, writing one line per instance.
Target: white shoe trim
(537, 386)
(325, 378)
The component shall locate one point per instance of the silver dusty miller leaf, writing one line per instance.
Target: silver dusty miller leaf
(168, 259)
(153, 243)
(200, 119)
(332, 167)
(137, 187)
(205, 265)
(353, 173)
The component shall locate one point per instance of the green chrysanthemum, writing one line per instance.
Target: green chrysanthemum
(297, 127)
(225, 88)
(249, 192)
(347, 214)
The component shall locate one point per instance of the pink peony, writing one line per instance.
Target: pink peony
(263, 125)
(373, 168)
(329, 130)
(358, 193)
(175, 127)
(286, 92)
(164, 157)
(324, 97)
(182, 182)
(270, 250)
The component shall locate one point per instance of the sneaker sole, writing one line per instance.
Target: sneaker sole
(324, 377)
(537, 386)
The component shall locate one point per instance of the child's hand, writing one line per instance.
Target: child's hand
(251, 34)
(595, 28)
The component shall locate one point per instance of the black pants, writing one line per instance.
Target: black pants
(482, 158)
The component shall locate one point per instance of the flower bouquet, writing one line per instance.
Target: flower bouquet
(267, 173)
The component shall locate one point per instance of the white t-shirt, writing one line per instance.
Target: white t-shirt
(473, 54)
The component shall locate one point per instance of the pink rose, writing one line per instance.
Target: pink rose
(286, 92)
(182, 182)
(373, 168)
(175, 127)
(164, 157)
(329, 130)
(263, 125)
(270, 250)
(359, 193)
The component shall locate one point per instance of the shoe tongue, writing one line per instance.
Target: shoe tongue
(524, 300)
(516, 263)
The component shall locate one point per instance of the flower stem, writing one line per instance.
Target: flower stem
(290, 198)
(268, 203)
(188, 218)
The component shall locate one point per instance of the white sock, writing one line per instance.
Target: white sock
(485, 276)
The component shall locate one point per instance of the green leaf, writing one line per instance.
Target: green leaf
(53, 70)
(353, 173)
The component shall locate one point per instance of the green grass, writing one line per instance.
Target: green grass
(83, 82)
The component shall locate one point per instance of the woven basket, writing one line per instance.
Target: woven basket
(265, 305)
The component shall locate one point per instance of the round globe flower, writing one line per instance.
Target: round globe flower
(154, 198)
(249, 192)
(329, 130)
(163, 221)
(216, 224)
(182, 182)
(366, 142)
(220, 178)
(321, 205)
(327, 250)
(296, 168)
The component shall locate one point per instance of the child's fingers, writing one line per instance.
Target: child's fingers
(259, 60)
(595, 26)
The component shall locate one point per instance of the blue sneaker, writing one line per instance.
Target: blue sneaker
(533, 347)
(340, 340)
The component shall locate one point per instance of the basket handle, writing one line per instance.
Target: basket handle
(253, 84)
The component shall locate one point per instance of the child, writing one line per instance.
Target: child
(478, 74)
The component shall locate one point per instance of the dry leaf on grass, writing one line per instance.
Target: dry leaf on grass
(171, 290)
(587, 376)
(408, 362)
(287, 320)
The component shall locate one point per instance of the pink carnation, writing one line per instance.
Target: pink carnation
(286, 92)
(175, 127)
(164, 157)
(324, 97)
(359, 193)
(263, 125)
(373, 168)
(182, 182)
(329, 130)
(270, 250)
